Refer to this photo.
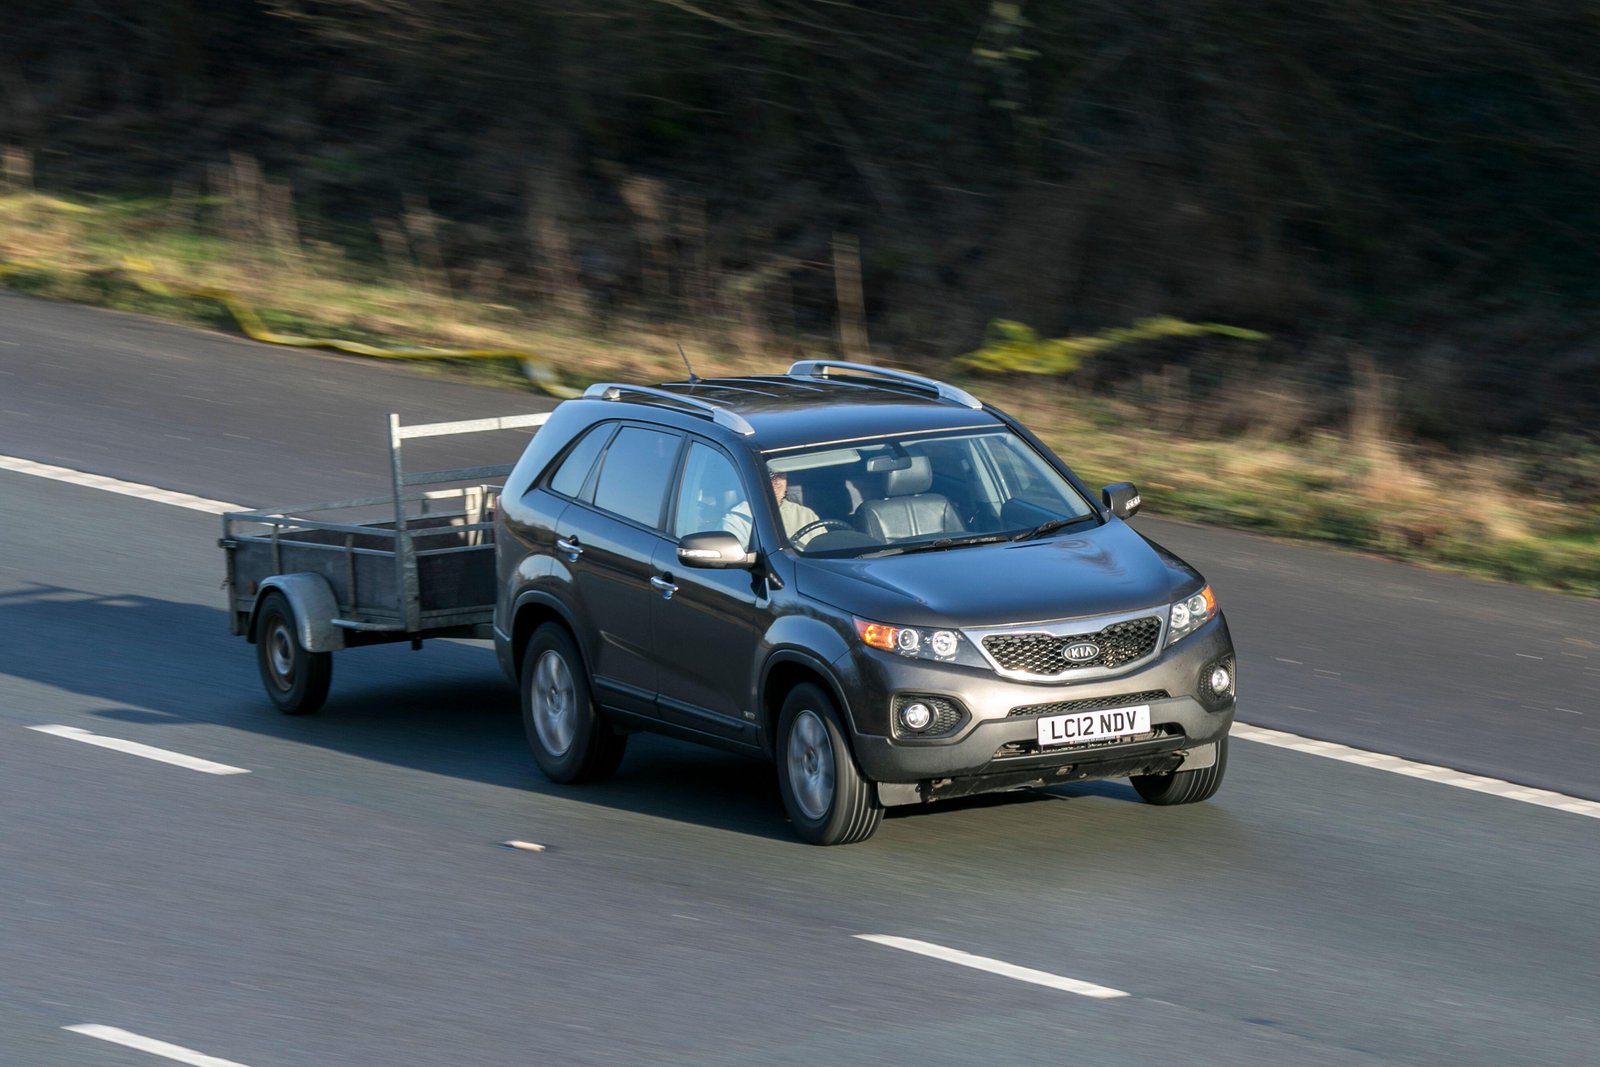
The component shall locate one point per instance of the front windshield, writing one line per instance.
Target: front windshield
(919, 493)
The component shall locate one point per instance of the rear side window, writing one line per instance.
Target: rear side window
(636, 473)
(574, 470)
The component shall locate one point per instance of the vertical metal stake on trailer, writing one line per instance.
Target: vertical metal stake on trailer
(405, 554)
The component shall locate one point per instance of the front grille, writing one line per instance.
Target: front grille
(1095, 704)
(1042, 654)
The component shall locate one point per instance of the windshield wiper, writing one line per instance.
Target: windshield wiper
(1048, 527)
(934, 546)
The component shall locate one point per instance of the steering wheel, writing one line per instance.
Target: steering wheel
(820, 524)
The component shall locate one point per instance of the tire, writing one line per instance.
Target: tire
(827, 799)
(1184, 787)
(570, 741)
(295, 679)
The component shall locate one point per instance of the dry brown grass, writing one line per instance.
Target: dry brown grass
(1251, 461)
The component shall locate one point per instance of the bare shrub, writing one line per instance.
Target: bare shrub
(646, 199)
(1267, 407)
(16, 164)
(851, 301)
(555, 267)
(253, 210)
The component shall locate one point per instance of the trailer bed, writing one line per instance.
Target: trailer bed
(415, 563)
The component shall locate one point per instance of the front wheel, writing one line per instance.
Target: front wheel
(1184, 787)
(570, 741)
(295, 679)
(828, 800)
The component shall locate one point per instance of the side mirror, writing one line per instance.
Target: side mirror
(1122, 498)
(715, 549)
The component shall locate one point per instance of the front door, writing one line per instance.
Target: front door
(708, 623)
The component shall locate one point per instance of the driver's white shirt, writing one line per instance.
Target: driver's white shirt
(795, 517)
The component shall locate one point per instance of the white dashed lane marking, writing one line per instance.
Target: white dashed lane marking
(994, 966)
(128, 1039)
(134, 748)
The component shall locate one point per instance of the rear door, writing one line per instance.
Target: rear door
(608, 539)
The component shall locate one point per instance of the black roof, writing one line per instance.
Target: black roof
(789, 412)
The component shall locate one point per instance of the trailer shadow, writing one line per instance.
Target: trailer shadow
(448, 711)
(146, 662)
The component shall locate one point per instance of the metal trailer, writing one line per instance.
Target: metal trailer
(305, 582)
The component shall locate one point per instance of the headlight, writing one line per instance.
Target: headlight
(913, 642)
(1191, 613)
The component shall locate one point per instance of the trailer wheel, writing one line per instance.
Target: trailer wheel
(295, 679)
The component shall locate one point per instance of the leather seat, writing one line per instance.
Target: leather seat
(908, 509)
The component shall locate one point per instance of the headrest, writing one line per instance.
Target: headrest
(915, 478)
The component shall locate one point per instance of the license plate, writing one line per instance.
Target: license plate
(1093, 725)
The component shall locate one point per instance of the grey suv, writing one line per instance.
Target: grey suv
(894, 591)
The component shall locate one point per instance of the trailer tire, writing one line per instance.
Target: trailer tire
(570, 741)
(297, 680)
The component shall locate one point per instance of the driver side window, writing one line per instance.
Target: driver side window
(711, 496)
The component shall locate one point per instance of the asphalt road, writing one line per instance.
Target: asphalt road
(345, 902)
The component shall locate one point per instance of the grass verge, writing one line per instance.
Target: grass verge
(1458, 512)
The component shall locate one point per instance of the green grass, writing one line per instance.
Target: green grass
(1528, 522)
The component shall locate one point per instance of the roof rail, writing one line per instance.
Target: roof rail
(819, 368)
(721, 416)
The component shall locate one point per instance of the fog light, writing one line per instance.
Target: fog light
(1221, 680)
(916, 716)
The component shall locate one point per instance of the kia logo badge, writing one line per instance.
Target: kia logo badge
(1081, 652)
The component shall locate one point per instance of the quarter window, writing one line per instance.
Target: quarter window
(635, 474)
(570, 477)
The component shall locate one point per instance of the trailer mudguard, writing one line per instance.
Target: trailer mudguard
(314, 606)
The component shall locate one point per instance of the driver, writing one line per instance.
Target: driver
(795, 516)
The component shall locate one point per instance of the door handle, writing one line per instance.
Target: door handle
(570, 547)
(665, 585)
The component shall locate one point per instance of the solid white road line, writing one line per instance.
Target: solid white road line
(151, 1045)
(133, 748)
(1378, 761)
(1260, 734)
(116, 485)
(1000, 967)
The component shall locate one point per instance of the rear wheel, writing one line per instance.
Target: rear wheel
(1184, 787)
(295, 679)
(570, 741)
(828, 800)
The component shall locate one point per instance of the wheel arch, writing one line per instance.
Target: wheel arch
(533, 610)
(783, 671)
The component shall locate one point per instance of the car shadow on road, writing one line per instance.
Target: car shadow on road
(145, 662)
(447, 710)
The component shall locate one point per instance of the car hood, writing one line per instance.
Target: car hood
(1100, 571)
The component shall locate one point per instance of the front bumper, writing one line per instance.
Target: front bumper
(993, 749)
